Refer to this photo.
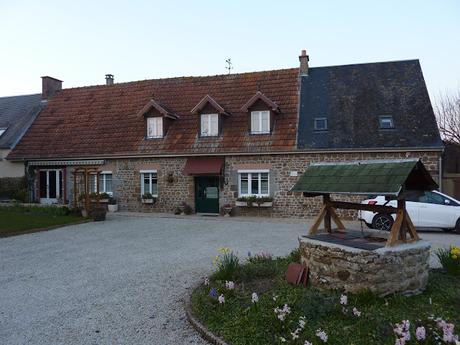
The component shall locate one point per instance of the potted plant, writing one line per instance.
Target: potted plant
(148, 198)
(103, 197)
(170, 178)
(227, 208)
(254, 201)
(112, 206)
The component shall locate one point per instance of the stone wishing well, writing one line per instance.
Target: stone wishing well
(353, 260)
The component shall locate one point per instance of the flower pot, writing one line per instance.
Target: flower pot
(112, 208)
(102, 201)
(264, 204)
(241, 203)
(84, 213)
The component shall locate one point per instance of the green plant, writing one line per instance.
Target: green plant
(450, 259)
(250, 200)
(13, 188)
(112, 201)
(94, 196)
(51, 210)
(227, 265)
(20, 195)
(187, 209)
(147, 196)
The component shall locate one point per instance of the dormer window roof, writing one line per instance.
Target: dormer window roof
(260, 96)
(208, 100)
(152, 104)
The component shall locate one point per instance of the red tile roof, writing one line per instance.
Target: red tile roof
(102, 120)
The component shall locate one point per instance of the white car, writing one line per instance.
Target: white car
(426, 209)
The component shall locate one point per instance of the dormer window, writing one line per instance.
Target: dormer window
(262, 112)
(154, 127)
(211, 116)
(260, 122)
(157, 119)
(386, 122)
(209, 125)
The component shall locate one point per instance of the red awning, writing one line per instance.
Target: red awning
(203, 166)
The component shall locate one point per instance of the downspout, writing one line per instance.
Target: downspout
(440, 172)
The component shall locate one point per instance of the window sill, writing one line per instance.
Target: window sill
(154, 138)
(149, 201)
(260, 133)
(209, 136)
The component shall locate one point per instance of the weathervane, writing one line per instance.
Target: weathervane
(229, 65)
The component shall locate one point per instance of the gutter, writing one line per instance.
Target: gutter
(150, 155)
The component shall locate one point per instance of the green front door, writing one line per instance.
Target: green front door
(207, 194)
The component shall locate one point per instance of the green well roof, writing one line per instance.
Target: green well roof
(388, 177)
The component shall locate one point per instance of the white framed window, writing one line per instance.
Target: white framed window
(149, 182)
(260, 122)
(154, 127)
(253, 182)
(209, 125)
(320, 124)
(386, 122)
(105, 182)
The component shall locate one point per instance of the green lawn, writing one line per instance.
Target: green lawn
(15, 221)
(239, 321)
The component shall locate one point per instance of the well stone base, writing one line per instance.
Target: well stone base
(384, 271)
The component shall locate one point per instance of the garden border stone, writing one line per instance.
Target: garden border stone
(202, 330)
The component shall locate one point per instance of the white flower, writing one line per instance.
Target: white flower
(356, 312)
(206, 281)
(254, 298)
(275, 298)
(229, 285)
(307, 343)
(283, 340)
(295, 335)
(302, 322)
(343, 300)
(321, 334)
(221, 299)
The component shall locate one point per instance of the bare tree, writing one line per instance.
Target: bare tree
(448, 116)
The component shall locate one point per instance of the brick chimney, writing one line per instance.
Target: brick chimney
(50, 86)
(303, 58)
(109, 79)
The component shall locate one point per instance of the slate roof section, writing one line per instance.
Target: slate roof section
(352, 97)
(17, 114)
(388, 177)
(101, 120)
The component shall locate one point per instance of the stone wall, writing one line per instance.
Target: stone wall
(127, 181)
(384, 271)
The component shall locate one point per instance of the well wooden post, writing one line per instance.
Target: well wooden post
(327, 215)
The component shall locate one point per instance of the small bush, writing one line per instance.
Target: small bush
(450, 259)
(227, 264)
(53, 211)
(257, 270)
(13, 188)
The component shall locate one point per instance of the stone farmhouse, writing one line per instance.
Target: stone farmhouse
(208, 140)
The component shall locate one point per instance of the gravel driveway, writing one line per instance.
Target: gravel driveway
(122, 281)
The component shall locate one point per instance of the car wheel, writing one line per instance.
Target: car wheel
(382, 222)
(457, 226)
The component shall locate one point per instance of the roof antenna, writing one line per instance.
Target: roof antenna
(229, 65)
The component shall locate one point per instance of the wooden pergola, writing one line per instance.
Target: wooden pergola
(85, 173)
(394, 179)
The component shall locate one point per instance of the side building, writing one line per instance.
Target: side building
(209, 140)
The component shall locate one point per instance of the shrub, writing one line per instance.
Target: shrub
(53, 211)
(450, 259)
(13, 188)
(260, 257)
(227, 264)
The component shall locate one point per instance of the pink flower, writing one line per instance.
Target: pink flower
(221, 299)
(229, 285)
(400, 341)
(343, 299)
(420, 333)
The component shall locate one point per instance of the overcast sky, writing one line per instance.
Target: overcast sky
(81, 41)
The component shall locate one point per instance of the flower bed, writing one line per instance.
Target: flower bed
(249, 303)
